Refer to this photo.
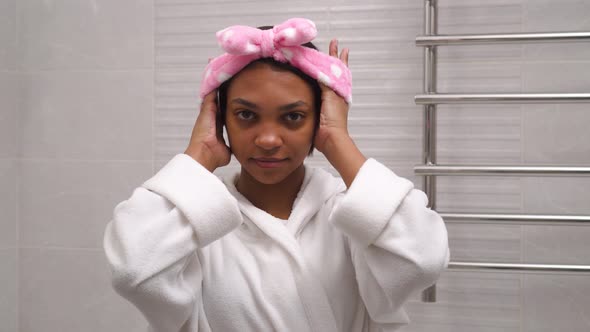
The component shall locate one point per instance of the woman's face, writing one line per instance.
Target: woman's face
(270, 122)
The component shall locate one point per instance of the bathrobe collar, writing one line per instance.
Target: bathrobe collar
(317, 188)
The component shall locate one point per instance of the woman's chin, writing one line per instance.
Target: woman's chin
(269, 176)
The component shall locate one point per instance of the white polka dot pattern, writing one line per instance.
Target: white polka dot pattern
(283, 42)
(287, 53)
(222, 77)
(324, 79)
(290, 33)
(336, 70)
(227, 35)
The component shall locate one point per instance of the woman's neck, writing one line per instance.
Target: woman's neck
(276, 199)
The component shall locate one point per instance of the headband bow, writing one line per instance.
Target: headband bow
(283, 42)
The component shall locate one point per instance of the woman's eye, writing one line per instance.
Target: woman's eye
(294, 117)
(245, 115)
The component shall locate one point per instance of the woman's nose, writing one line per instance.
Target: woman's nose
(268, 138)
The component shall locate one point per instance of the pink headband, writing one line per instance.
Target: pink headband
(245, 44)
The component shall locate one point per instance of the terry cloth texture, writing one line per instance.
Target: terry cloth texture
(193, 254)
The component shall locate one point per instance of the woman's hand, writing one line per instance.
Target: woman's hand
(332, 138)
(206, 145)
(334, 111)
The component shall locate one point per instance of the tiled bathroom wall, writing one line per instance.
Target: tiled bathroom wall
(95, 96)
(9, 102)
(76, 94)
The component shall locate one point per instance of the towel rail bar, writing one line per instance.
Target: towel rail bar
(501, 98)
(519, 219)
(474, 39)
(516, 267)
(504, 170)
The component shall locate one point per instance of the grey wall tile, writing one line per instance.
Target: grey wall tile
(479, 134)
(556, 244)
(464, 17)
(547, 15)
(8, 35)
(470, 301)
(88, 115)
(556, 303)
(8, 203)
(81, 34)
(556, 76)
(476, 77)
(70, 291)
(484, 243)
(478, 194)
(556, 134)
(8, 290)
(556, 195)
(69, 203)
(10, 103)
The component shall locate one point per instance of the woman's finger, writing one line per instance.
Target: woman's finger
(210, 97)
(344, 56)
(333, 49)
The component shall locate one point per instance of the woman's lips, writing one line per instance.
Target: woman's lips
(269, 162)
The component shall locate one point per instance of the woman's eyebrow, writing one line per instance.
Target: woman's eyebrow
(245, 103)
(291, 106)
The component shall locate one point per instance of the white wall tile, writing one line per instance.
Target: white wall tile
(9, 177)
(10, 104)
(8, 290)
(556, 303)
(8, 35)
(70, 291)
(69, 203)
(86, 34)
(88, 115)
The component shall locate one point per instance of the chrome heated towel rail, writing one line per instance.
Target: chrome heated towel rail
(430, 169)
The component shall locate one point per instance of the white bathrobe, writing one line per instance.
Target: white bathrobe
(192, 254)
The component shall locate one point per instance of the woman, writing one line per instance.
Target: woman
(278, 246)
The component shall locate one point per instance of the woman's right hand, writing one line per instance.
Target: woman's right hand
(207, 145)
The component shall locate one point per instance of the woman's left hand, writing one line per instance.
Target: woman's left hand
(332, 138)
(334, 110)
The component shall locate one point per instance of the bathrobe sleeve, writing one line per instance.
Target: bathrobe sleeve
(398, 244)
(152, 239)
